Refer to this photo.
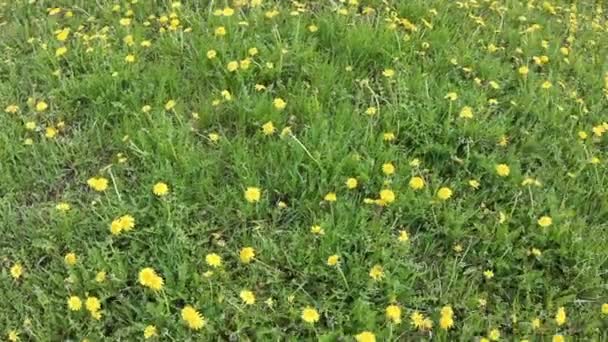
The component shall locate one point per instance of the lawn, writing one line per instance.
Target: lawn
(331, 170)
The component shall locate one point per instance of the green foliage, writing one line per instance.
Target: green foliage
(365, 84)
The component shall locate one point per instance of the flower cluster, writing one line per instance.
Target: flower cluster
(304, 170)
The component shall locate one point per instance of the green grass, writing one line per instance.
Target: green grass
(328, 78)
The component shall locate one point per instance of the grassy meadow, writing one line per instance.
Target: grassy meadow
(329, 170)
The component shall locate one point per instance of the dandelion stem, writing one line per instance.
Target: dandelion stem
(306, 150)
(258, 261)
(235, 306)
(166, 300)
(114, 184)
(344, 278)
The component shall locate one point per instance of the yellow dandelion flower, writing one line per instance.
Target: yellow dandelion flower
(466, 112)
(388, 169)
(150, 331)
(582, 135)
(149, 278)
(41, 106)
(545, 221)
(116, 227)
(330, 197)
(271, 14)
(560, 316)
(13, 336)
(50, 132)
(310, 315)
(92, 304)
(371, 111)
(393, 313)
(488, 274)
(213, 260)
(214, 137)
(226, 95)
(598, 130)
(253, 194)
(388, 136)
(473, 183)
(194, 320)
(352, 183)
(444, 193)
(170, 105)
(388, 73)
(279, 103)
(416, 183)
(11, 109)
(417, 320)
(125, 222)
(61, 51)
(16, 271)
(333, 260)
(376, 272)
(232, 66)
(447, 311)
(245, 63)
(387, 196)
(160, 189)
(248, 297)
(247, 254)
(503, 170)
(403, 236)
(71, 259)
(98, 183)
(220, 31)
(128, 40)
(227, 11)
(316, 229)
(268, 128)
(63, 206)
(63, 34)
(523, 70)
(451, 96)
(74, 303)
(100, 277)
(446, 322)
(365, 336)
